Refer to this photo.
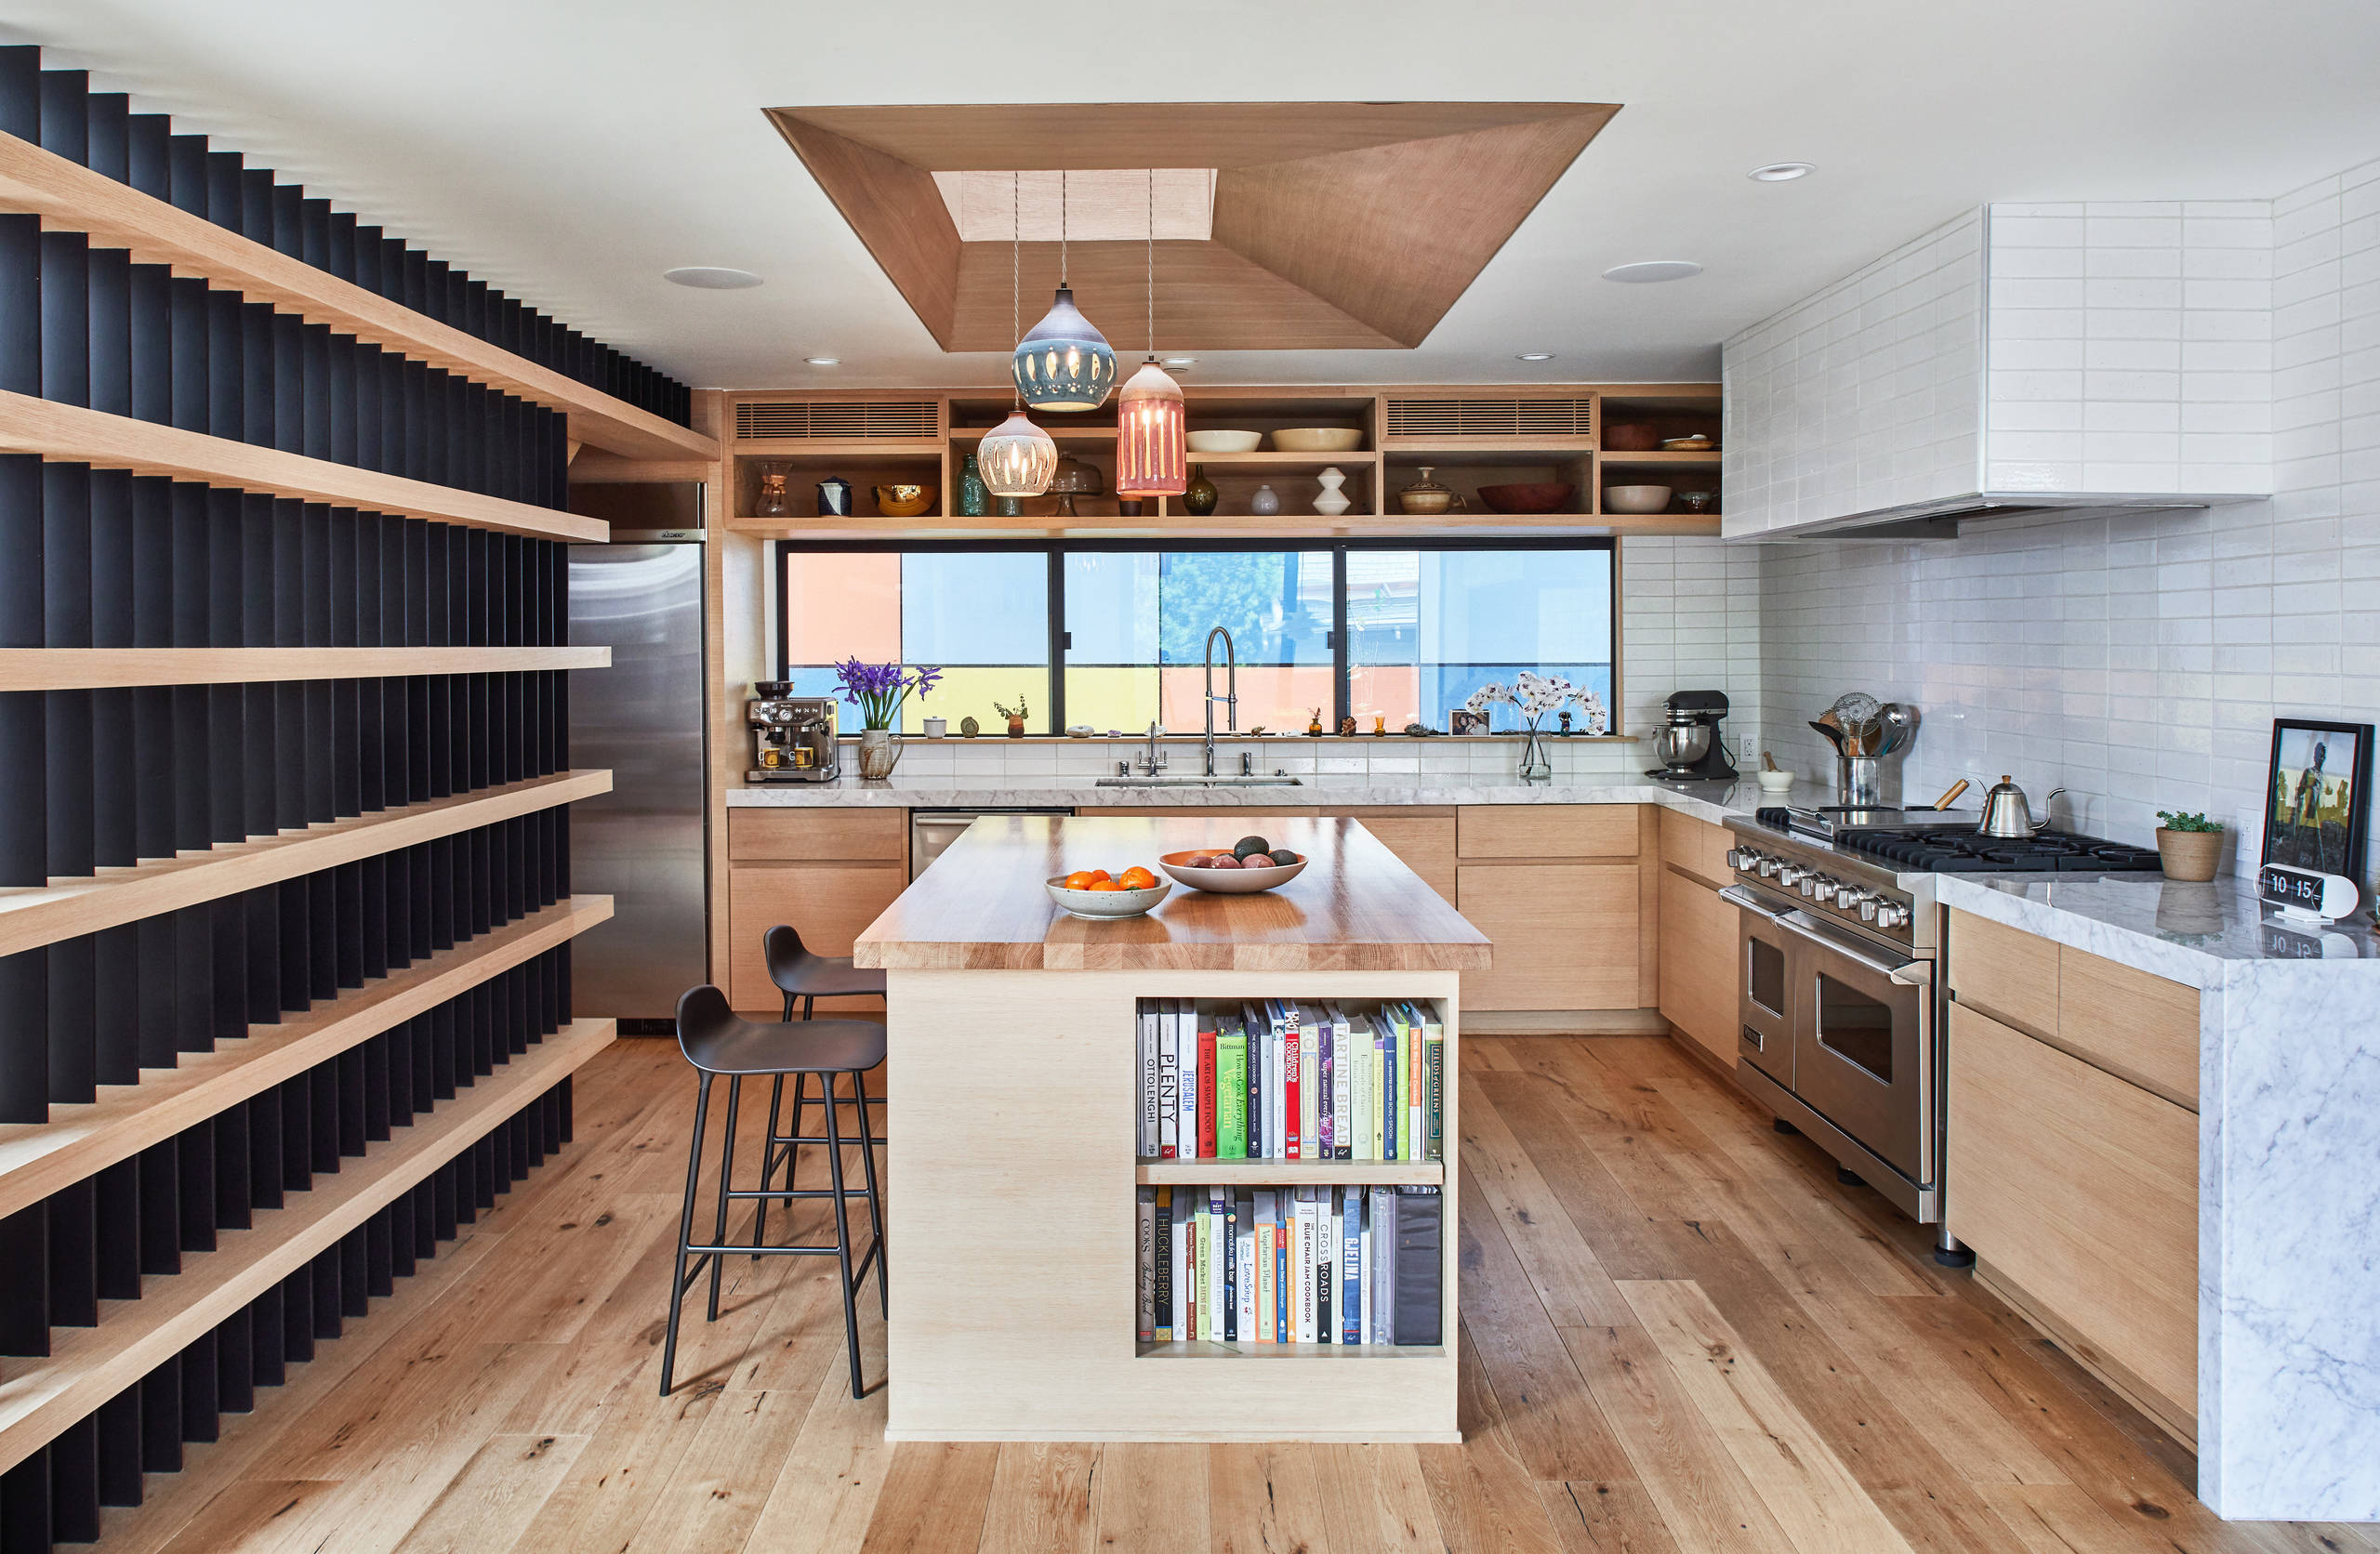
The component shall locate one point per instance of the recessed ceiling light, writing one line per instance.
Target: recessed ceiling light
(824, 360)
(1782, 172)
(703, 277)
(1535, 356)
(1653, 269)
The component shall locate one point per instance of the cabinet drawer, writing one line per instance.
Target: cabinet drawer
(880, 835)
(1698, 965)
(2140, 1027)
(1422, 843)
(1549, 830)
(1564, 935)
(2081, 1191)
(1696, 846)
(828, 904)
(2004, 973)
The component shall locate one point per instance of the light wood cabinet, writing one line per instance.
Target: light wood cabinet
(828, 872)
(1423, 840)
(1699, 972)
(1565, 935)
(1695, 846)
(2079, 1194)
(1535, 831)
(2141, 1028)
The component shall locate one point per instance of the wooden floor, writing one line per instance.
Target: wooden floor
(1679, 1334)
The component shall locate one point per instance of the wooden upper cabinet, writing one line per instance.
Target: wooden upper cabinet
(1538, 831)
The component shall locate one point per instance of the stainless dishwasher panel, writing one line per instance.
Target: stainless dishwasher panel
(933, 830)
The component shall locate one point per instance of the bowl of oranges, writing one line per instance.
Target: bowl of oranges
(1095, 893)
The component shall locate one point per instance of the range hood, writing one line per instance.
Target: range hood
(1989, 371)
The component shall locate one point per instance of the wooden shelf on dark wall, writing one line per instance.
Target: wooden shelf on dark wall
(66, 195)
(68, 668)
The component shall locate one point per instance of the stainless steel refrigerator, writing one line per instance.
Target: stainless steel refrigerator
(642, 843)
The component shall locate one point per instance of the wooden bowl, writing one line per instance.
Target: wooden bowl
(903, 501)
(1631, 438)
(1318, 439)
(1101, 905)
(1224, 442)
(1635, 498)
(1228, 882)
(1541, 496)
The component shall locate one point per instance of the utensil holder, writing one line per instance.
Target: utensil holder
(1859, 781)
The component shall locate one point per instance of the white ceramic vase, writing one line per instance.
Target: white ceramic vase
(1266, 503)
(878, 751)
(1332, 502)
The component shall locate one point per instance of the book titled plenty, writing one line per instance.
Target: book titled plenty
(1281, 1079)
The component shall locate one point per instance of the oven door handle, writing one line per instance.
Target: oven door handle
(1910, 973)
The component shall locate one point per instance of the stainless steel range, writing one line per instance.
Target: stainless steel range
(1841, 944)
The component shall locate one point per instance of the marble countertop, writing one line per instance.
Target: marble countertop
(1710, 802)
(2194, 934)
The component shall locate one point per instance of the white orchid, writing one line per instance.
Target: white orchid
(1487, 696)
(1537, 694)
(1598, 716)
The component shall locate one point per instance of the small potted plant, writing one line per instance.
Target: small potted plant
(2190, 845)
(878, 690)
(1015, 716)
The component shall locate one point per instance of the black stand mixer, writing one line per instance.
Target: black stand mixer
(1688, 743)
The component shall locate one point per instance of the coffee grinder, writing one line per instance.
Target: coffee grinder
(1688, 743)
(793, 737)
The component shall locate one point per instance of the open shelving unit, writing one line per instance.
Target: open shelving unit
(1471, 436)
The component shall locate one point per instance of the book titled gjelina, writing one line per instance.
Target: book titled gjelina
(1290, 1265)
(1278, 1079)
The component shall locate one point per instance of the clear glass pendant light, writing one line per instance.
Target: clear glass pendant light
(1150, 456)
(1017, 458)
(1064, 363)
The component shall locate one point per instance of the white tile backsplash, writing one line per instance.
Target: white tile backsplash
(2137, 659)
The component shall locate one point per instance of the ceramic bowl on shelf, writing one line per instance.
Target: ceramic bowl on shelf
(1635, 498)
(1227, 882)
(1224, 442)
(1540, 496)
(1318, 439)
(1103, 904)
(903, 501)
(1698, 443)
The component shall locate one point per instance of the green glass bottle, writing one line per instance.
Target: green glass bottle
(975, 499)
(1200, 497)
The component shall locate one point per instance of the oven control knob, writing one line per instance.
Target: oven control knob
(1815, 886)
(1849, 898)
(1868, 909)
(1790, 874)
(1741, 858)
(1892, 915)
(1771, 868)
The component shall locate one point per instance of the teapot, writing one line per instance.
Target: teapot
(2006, 814)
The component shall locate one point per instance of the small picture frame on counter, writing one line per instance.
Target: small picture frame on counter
(2318, 797)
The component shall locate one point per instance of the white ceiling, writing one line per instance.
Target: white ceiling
(570, 150)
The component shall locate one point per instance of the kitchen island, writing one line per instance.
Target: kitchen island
(1014, 1158)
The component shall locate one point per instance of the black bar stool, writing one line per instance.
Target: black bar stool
(802, 973)
(719, 1043)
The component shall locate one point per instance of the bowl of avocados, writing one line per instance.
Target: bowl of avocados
(1249, 866)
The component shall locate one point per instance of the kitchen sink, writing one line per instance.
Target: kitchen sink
(1277, 782)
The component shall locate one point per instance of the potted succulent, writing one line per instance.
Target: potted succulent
(1015, 716)
(2190, 845)
(878, 690)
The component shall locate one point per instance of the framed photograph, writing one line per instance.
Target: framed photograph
(2318, 796)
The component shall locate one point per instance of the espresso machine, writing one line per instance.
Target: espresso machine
(1688, 743)
(793, 737)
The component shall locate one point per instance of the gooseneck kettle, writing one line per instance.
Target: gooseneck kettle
(2005, 813)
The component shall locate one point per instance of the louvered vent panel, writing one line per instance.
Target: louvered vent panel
(1434, 418)
(839, 420)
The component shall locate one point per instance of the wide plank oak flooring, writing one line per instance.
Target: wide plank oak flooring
(1680, 1335)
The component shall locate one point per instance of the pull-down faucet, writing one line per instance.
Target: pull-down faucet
(1231, 688)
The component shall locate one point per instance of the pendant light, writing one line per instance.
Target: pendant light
(1150, 460)
(1064, 363)
(1017, 458)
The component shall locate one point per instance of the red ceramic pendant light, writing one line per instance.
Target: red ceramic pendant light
(1150, 458)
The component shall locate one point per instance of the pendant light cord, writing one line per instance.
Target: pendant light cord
(1062, 226)
(1015, 277)
(1151, 264)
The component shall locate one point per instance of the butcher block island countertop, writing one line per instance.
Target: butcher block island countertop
(1015, 1174)
(982, 906)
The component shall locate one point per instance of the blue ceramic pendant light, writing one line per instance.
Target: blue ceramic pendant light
(1064, 362)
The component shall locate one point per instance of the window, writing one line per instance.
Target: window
(1400, 632)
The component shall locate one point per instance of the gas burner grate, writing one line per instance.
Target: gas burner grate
(1958, 851)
